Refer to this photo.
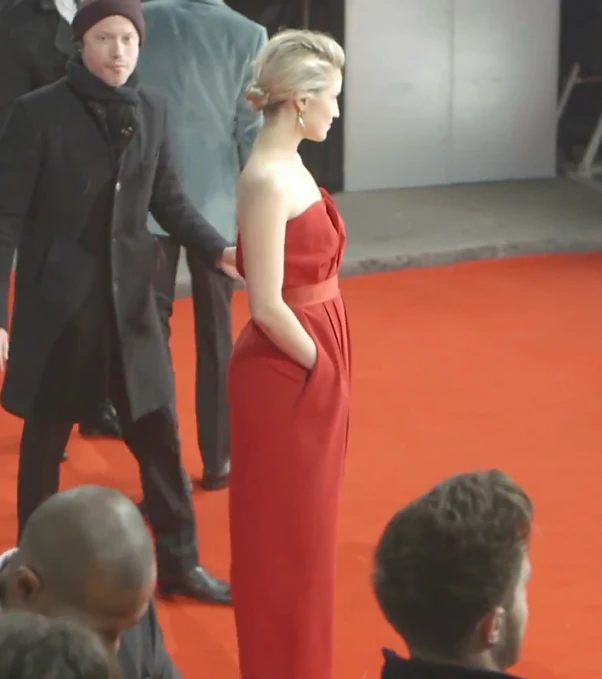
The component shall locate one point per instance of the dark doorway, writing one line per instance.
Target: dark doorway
(324, 160)
(580, 43)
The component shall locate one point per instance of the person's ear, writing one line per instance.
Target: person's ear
(491, 628)
(25, 587)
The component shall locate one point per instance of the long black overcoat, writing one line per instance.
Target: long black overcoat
(55, 166)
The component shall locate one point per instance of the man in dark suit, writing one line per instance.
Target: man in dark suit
(82, 162)
(450, 575)
(35, 44)
(86, 555)
(199, 54)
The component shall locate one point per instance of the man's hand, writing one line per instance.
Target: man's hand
(227, 263)
(3, 349)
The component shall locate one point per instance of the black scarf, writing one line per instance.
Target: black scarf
(94, 89)
(118, 104)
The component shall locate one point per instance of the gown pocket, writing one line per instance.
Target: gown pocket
(278, 361)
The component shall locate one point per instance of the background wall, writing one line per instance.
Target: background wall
(449, 91)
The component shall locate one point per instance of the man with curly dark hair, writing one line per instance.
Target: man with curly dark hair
(451, 570)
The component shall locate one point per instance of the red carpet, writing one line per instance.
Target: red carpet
(478, 365)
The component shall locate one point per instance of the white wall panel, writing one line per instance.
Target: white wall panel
(447, 91)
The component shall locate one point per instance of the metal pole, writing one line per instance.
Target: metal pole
(586, 166)
(567, 90)
(305, 13)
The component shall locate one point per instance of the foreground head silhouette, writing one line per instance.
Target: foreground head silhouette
(451, 570)
(85, 554)
(35, 647)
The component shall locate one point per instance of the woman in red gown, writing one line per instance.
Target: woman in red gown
(289, 374)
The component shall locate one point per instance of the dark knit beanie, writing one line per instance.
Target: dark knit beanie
(91, 12)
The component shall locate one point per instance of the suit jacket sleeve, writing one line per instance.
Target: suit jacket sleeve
(175, 213)
(163, 667)
(248, 122)
(142, 651)
(15, 73)
(20, 154)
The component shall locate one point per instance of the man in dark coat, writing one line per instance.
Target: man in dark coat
(86, 555)
(35, 44)
(450, 575)
(82, 162)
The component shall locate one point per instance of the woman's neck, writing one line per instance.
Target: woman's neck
(279, 135)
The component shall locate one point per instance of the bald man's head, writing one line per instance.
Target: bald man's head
(85, 553)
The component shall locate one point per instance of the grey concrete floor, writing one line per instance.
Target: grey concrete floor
(443, 225)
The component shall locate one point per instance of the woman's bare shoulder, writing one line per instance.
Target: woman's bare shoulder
(270, 179)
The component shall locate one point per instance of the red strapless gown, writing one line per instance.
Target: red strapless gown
(289, 434)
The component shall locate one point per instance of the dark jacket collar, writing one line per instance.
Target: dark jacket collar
(64, 38)
(396, 667)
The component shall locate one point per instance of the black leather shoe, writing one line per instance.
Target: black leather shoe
(197, 584)
(214, 482)
(106, 425)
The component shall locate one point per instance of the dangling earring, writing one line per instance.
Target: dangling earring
(300, 119)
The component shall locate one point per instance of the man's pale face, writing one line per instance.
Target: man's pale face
(110, 50)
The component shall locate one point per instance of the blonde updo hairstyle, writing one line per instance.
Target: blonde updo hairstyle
(294, 64)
